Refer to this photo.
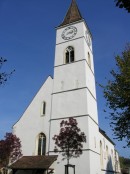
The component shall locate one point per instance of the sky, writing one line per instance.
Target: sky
(27, 41)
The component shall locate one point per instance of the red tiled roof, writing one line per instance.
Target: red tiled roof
(34, 162)
(72, 15)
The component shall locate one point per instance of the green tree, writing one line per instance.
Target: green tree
(124, 162)
(123, 4)
(117, 95)
(3, 75)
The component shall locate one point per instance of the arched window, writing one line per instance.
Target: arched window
(41, 144)
(112, 157)
(89, 60)
(101, 155)
(107, 155)
(69, 54)
(116, 161)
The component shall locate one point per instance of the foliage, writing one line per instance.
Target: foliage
(124, 162)
(123, 4)
(10, 149)
(70, 139)
(3, 75)
(117, 95)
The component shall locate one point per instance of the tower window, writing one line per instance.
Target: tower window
(69, 54)
(41, 144)
(43, 108)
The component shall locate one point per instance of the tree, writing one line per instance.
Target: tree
(117, 95)
(124, 162)
(123, 4)
(70, 139)
(10, 149)
(3, 75)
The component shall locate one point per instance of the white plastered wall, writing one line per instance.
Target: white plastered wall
(32, 123)
(80, 163)
(108, 157)
(69, 77)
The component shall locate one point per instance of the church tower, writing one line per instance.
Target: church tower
(70, 94)
(74, 92)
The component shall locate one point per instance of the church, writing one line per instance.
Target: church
(71, 93)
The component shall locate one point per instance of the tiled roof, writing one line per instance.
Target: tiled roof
(34, 162)
(73, 14)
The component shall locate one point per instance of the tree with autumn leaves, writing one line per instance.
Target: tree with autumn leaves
(69, 141)
(10, 149)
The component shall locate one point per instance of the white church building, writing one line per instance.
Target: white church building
(70, 93)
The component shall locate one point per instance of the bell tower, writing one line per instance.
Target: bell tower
(74, 93)
(74, 70)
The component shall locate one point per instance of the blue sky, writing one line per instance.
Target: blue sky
(27, 41)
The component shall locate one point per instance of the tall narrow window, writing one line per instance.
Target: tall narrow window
(89, 60)
(101, 155)
(107, 155)
(95, 141)
(41, 144)
(112, 157)
(43, 108)
(69, 54)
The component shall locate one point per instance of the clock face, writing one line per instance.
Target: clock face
(88, 38)
(69, 33)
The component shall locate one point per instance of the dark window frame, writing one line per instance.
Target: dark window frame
(69, 55)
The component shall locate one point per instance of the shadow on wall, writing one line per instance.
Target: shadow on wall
(109, 166)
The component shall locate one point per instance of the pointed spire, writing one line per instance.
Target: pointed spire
(73, 14)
